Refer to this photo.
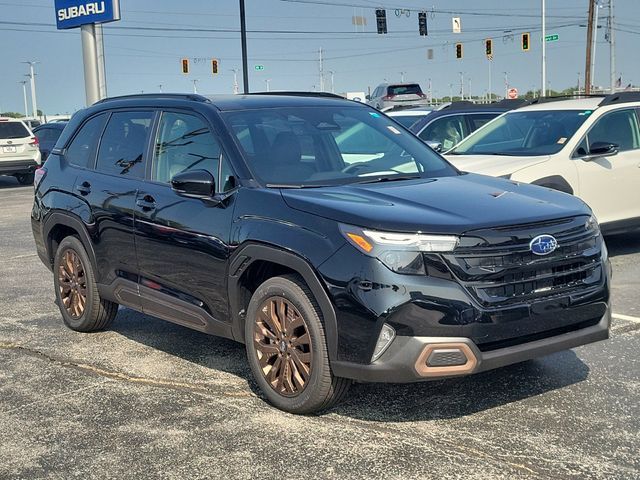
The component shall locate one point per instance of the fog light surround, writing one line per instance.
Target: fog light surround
(387, 334)
(446, 359)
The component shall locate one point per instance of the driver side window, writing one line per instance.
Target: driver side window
(619, 127)
(184, 142)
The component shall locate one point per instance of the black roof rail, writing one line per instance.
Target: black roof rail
(557, 98)
(301, 94)
(144, 96)
(620, 97)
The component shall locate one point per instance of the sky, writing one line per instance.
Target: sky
(144, 49)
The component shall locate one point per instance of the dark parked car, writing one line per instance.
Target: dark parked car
(250, 217)
(48, 135)
(452, 123)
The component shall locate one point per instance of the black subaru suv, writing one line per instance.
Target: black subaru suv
(329, 240)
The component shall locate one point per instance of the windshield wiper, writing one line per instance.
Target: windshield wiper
(392, 178)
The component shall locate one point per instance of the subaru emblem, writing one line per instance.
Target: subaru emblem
(543, 245)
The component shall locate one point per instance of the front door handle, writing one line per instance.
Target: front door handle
(146, 203)
(84, 188)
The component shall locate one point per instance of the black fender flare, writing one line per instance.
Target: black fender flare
(556, 182)
(56, 218)
(246, 255)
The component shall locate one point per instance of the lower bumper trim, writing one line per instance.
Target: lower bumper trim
(404, 359)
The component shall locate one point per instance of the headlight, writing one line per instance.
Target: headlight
(400, 252)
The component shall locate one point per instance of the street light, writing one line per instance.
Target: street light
(267, 81)
(32, 76)
(235, 81)
(24, 94)
(195, 85)
(333, 90)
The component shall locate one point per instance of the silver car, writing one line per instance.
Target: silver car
(394, 94)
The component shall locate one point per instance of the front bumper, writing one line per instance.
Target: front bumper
(405, 359)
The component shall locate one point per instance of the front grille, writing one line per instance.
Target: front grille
(498, 268)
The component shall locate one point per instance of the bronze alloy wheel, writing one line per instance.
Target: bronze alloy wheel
(73, 284)
(283, 346)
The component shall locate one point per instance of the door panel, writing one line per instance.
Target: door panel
(183, 243)
(609, 184)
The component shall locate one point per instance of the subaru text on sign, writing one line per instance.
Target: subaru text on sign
(75, 13)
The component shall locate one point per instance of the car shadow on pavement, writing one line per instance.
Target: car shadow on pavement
(623, 244)
(451, 398)
(7, 183)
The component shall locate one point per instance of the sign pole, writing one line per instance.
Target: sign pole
(90, 60)
(543, 90)
(243, 35)
(102, 79)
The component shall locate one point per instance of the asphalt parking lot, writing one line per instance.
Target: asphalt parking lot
(150, 399)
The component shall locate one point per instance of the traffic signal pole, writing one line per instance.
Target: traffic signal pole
(243, 35)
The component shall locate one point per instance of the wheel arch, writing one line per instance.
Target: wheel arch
(267, 261)
(555, 182)
(59, 225)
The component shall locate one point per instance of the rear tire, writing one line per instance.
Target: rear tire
(287, 349)
(25, 178)
(77, 294)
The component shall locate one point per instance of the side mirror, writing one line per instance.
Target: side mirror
(601, 149)
(434, 144)
(194, 183)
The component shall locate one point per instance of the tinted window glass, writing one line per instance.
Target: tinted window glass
(122, 145)
(408, 120)
(619, 127)
(411, 89)
(480, 119)
(446, 130)
(13, 130)
(45, 135)
(330, 146)
(227, 180)
(82, 150)
(184, 142)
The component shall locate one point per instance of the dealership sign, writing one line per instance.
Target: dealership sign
(75, 13)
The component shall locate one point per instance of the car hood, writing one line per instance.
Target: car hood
(441, 205)
(494, 165)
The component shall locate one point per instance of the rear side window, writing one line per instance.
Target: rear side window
(13, 130)
(184, 142)
(480, 119)
(82, 150)
(123, 144)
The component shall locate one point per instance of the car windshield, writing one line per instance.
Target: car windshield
(524, 133)
(306, 147)
(13, 130)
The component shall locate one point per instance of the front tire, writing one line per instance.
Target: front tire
(287, 349)
(77, 294)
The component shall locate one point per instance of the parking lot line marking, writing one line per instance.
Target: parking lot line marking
(629, 318)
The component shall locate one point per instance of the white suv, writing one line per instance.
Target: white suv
(19, 153)
(588, 147)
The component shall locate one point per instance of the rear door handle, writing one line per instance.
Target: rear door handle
(84, 188)
(146, 203)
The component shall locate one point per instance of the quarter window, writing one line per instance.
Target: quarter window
(123, 144)
(184, 142)
(82, 150)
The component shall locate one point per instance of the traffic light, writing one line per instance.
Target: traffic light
(458, 51)
(422, 24)
(185, 66)
(525, 41)
(214, 66)
(381, 20)
(488, 48)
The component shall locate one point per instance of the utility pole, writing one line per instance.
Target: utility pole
(243, 35)
(461, 85)
(587, 68)
(24, 95)
(506, 84)
(450, 92)
(235, 81)
(490, 80)
(195, 85)
(267, 81)
(402, 77)
(32, 76)
(612, 47)
(430, 93)
(160, 88)
(594, 48)
(321, 71)
(333, 90)
(579, 73)
(544, 49)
